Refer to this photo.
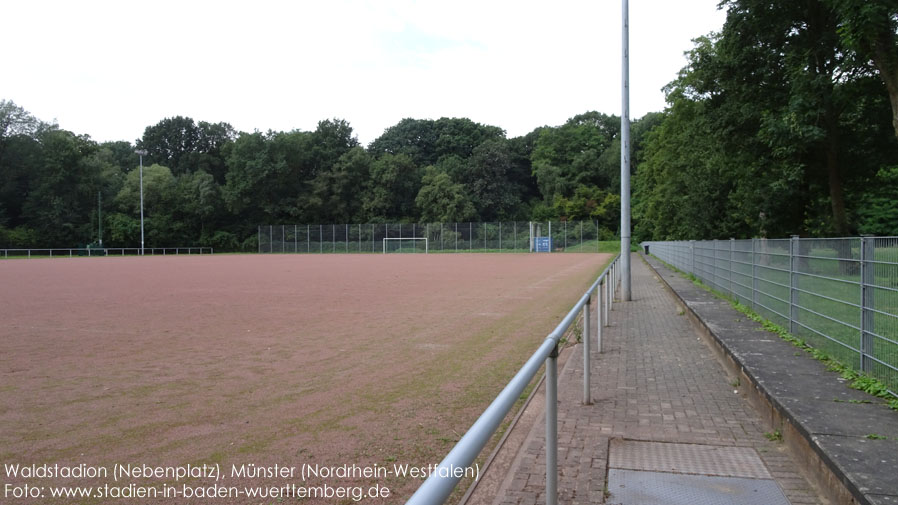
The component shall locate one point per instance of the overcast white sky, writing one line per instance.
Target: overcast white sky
(111, 68)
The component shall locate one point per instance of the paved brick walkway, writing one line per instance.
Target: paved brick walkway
(656, 381)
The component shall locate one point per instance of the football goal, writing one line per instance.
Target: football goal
(405, 245)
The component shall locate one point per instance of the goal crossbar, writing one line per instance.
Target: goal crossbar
(426, 248)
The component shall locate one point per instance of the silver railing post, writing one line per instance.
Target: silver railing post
(612, 287)
(587, 398)
(599, 318)
(552, 427)
(607, 296)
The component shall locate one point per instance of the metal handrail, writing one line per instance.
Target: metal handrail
(103, 251)
(439, 485)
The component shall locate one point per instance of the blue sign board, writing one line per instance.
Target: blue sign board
(543, 244)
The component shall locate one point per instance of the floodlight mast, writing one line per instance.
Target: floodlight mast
(625, 157)
(100, 216)
(141, 153)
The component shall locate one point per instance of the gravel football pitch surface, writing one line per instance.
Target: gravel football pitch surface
(343, 361)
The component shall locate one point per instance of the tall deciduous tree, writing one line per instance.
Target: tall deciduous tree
(19, 154)
(870, 27)
(15, 120)
(494, 195)
(334, 195)
(426, 141)
(441, 200)
(765, 130)
(568, 156)
(186, 147)
(61, 199)
(259, 187)
(393, 187)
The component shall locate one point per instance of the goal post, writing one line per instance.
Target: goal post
(406, 245)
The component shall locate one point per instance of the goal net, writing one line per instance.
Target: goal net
(405, 245)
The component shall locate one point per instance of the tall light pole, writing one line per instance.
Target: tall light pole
(100, 216)
(141, 153)
(625, 157)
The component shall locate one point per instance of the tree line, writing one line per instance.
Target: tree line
(785, 122)
(207, 184)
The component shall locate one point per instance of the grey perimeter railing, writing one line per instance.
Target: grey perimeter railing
(840, 295)
(437, 488)
(511, 236)
(101, 251)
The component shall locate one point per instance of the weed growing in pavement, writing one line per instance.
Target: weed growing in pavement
(851, 401)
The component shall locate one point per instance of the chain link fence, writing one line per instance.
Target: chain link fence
(840, 295)
(513, 236)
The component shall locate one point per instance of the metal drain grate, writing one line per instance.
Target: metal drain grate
(687, 458)
(629, 487)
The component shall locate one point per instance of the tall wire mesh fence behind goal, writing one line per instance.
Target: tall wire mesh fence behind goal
(513, 236)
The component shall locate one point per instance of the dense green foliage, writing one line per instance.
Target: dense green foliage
(205, 184)
(779, 125)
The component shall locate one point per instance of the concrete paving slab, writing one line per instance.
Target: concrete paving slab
(702, 459)
(629, 487)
